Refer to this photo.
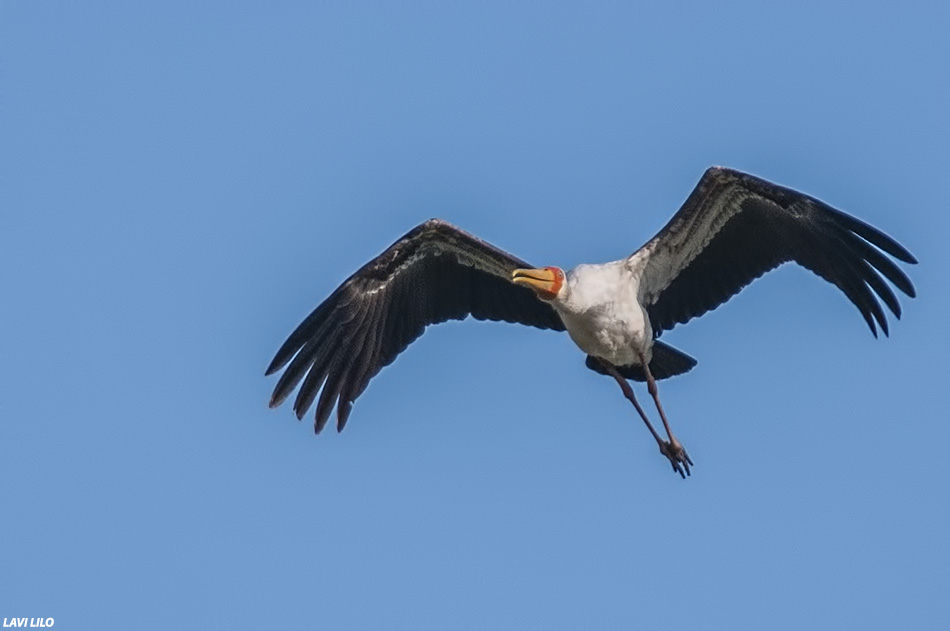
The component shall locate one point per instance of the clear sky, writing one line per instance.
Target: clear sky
(181, 183)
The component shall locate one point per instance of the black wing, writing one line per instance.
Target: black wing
(734, 227)
(434, 273)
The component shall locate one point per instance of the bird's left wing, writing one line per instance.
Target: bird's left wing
(436, 272)
(734, 227)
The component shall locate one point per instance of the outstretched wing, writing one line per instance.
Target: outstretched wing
(436, 272)
(734, 227)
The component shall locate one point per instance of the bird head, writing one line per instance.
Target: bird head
(546, 282)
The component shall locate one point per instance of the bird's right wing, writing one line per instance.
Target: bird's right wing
(436, 272)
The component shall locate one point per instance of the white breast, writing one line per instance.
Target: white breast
(600, 310)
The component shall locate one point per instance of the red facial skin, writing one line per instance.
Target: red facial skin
(556, 287)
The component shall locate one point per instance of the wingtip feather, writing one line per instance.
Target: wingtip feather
(343, 409)
(272, 367)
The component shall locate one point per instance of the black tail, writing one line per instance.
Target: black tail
(666, 362)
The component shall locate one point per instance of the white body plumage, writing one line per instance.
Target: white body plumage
(599, 307)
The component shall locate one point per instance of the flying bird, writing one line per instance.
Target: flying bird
(731, 229)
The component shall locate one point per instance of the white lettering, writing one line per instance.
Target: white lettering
(28, 622)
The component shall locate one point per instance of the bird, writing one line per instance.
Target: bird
(733, 228)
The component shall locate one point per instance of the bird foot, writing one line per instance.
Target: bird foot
(677, 456)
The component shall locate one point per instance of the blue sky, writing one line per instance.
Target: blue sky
(182, 183)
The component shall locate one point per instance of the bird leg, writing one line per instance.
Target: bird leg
(673, 451)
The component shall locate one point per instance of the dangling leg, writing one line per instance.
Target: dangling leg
(677, 458)
(672, 449)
